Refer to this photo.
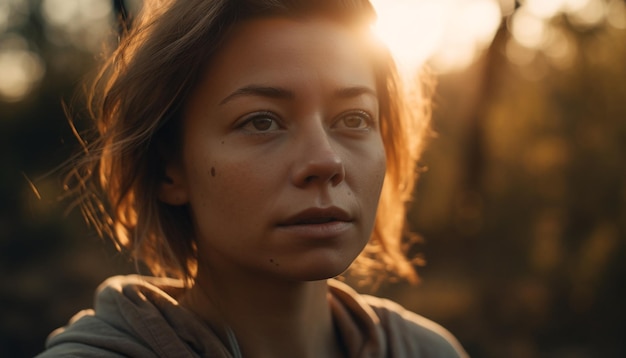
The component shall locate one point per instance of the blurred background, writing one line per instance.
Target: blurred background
(521, 207)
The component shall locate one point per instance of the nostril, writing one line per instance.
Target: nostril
(324, 173)
(333, 177)
(317, 162)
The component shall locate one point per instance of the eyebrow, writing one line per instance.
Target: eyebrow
(259, 91)
(355, 91)
(282, 93)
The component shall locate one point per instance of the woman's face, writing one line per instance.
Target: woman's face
(282, 161)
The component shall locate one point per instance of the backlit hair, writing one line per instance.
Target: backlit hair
(137, 102)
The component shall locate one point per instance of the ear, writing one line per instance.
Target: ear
(173, 186)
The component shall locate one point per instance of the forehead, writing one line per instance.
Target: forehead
(290, 52)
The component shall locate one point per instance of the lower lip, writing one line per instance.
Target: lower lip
(320, 231)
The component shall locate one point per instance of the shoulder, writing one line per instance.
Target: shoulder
(411, 331)
(133, 316)
(402, 333)
(88, 335)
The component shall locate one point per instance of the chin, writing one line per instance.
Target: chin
(320, 269)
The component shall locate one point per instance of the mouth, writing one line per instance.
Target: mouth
(317, 216)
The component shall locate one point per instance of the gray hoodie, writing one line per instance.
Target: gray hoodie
(137, 316)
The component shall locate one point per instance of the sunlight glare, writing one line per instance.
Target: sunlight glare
(448, 33)
(412, 29)
(483, 19)
(472, 26)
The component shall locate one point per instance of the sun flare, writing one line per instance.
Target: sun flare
(447, 34)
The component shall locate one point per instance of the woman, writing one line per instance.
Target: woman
(242, 149)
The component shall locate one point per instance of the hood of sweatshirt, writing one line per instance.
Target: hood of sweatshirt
(138, 316)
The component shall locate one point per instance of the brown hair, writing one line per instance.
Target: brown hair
(136, 103)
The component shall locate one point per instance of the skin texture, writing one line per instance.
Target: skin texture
(282, 165)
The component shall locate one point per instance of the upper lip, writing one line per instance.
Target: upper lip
(317, 216)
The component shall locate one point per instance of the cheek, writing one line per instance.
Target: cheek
(366, 174)
(209, 185)
(215, 206)
(223, 187)
(372, 170)
(378, 178)
(380, 167)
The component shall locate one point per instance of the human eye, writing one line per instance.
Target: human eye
(354, 120)
(260, 122)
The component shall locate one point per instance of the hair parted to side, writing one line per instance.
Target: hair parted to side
(137, 102)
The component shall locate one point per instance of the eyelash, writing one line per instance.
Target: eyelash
(248, 120)
(367, 119)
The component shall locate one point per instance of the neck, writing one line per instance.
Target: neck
(270, 318)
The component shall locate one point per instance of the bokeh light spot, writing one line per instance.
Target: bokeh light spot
(616, 14)
(544, 8)
(560, 49)
(506, 7)
(4, 16)
(59, 12)
(518, 54)
(80, 23)
(20, 69)
(528, 29)
(589, 13)
(13, 13)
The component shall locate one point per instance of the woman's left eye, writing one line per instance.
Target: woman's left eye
(354, 120)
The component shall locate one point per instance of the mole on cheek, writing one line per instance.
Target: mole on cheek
(274, 262)
(213, 171)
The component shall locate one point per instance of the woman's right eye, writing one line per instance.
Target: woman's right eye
(260, 122)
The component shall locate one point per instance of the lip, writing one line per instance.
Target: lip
(317, 216)
(318, 223)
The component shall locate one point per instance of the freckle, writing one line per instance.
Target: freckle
(213, 171)
(222, 142)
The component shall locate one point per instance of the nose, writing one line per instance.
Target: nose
(316, 161)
